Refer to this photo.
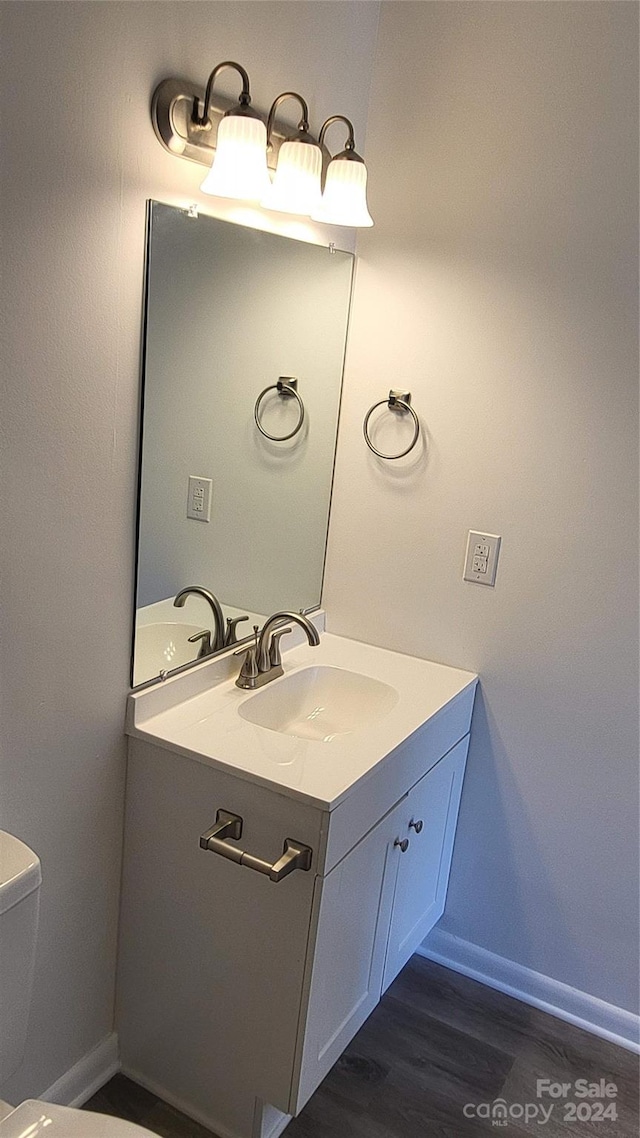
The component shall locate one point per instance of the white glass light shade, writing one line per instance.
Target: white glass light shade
(296, 186)
(239, 167)
(344, 201)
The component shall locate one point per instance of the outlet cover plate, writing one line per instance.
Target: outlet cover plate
(481, 559)
(199, 499)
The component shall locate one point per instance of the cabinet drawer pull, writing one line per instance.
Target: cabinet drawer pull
(403, 843)
(294, 854)
(417, 826)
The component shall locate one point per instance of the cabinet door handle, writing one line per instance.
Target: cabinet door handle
(294, 854)
(403, 843)
(417, 826)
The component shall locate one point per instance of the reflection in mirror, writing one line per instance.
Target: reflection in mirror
(244, 349)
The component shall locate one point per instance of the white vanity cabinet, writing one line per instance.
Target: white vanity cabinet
(237, 994)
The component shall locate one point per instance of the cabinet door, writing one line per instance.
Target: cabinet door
(423, 870)
(352, 908)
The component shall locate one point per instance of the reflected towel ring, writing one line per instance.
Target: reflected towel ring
(286, 387)
(397, 401)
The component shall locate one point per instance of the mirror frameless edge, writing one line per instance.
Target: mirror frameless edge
(229, 310)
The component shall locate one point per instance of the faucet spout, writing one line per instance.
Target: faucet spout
(262, 662)
(216, 609)
(264, 643)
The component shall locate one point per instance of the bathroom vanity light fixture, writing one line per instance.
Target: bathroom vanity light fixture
(239, 147)
(239, 168)
(296, 186)
(344, 201)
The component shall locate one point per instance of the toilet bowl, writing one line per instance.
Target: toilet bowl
(20, 879)
(44, 1120)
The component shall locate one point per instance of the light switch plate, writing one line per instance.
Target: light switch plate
(199, 499)
(481, 560)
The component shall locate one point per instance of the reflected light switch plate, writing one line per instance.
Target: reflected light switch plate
(481, 560)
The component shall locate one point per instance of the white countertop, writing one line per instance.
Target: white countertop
(206, 726)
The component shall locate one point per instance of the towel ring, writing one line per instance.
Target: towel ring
(397, 401)
(286, 387)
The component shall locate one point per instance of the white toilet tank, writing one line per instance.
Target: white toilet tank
(20, 879)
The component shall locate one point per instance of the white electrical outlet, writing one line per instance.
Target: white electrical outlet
(481, 560)
(199, 499)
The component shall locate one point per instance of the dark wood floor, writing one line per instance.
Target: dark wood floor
(436, 1044)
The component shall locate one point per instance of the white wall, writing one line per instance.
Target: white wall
(79, 160)
(500, 285)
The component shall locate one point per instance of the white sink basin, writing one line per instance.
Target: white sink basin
(162, 646)
(341, 708)
(319, 703)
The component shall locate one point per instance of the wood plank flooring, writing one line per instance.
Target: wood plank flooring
(436, 1049)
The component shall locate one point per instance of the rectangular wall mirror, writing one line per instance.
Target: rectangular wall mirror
(245, 336)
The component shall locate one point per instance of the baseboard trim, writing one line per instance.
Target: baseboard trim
(552, 996)
(279, 1122)
(87, 1075)
(280, 1126)
(179, 1103)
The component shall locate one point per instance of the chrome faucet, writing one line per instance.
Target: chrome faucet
(263, 662)
(217, 639)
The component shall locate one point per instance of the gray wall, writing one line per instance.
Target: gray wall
(79, 161)
(500, 283)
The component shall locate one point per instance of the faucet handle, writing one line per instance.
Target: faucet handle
(231, 636)
(275, 659)
(249, 669)
(206, 647)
